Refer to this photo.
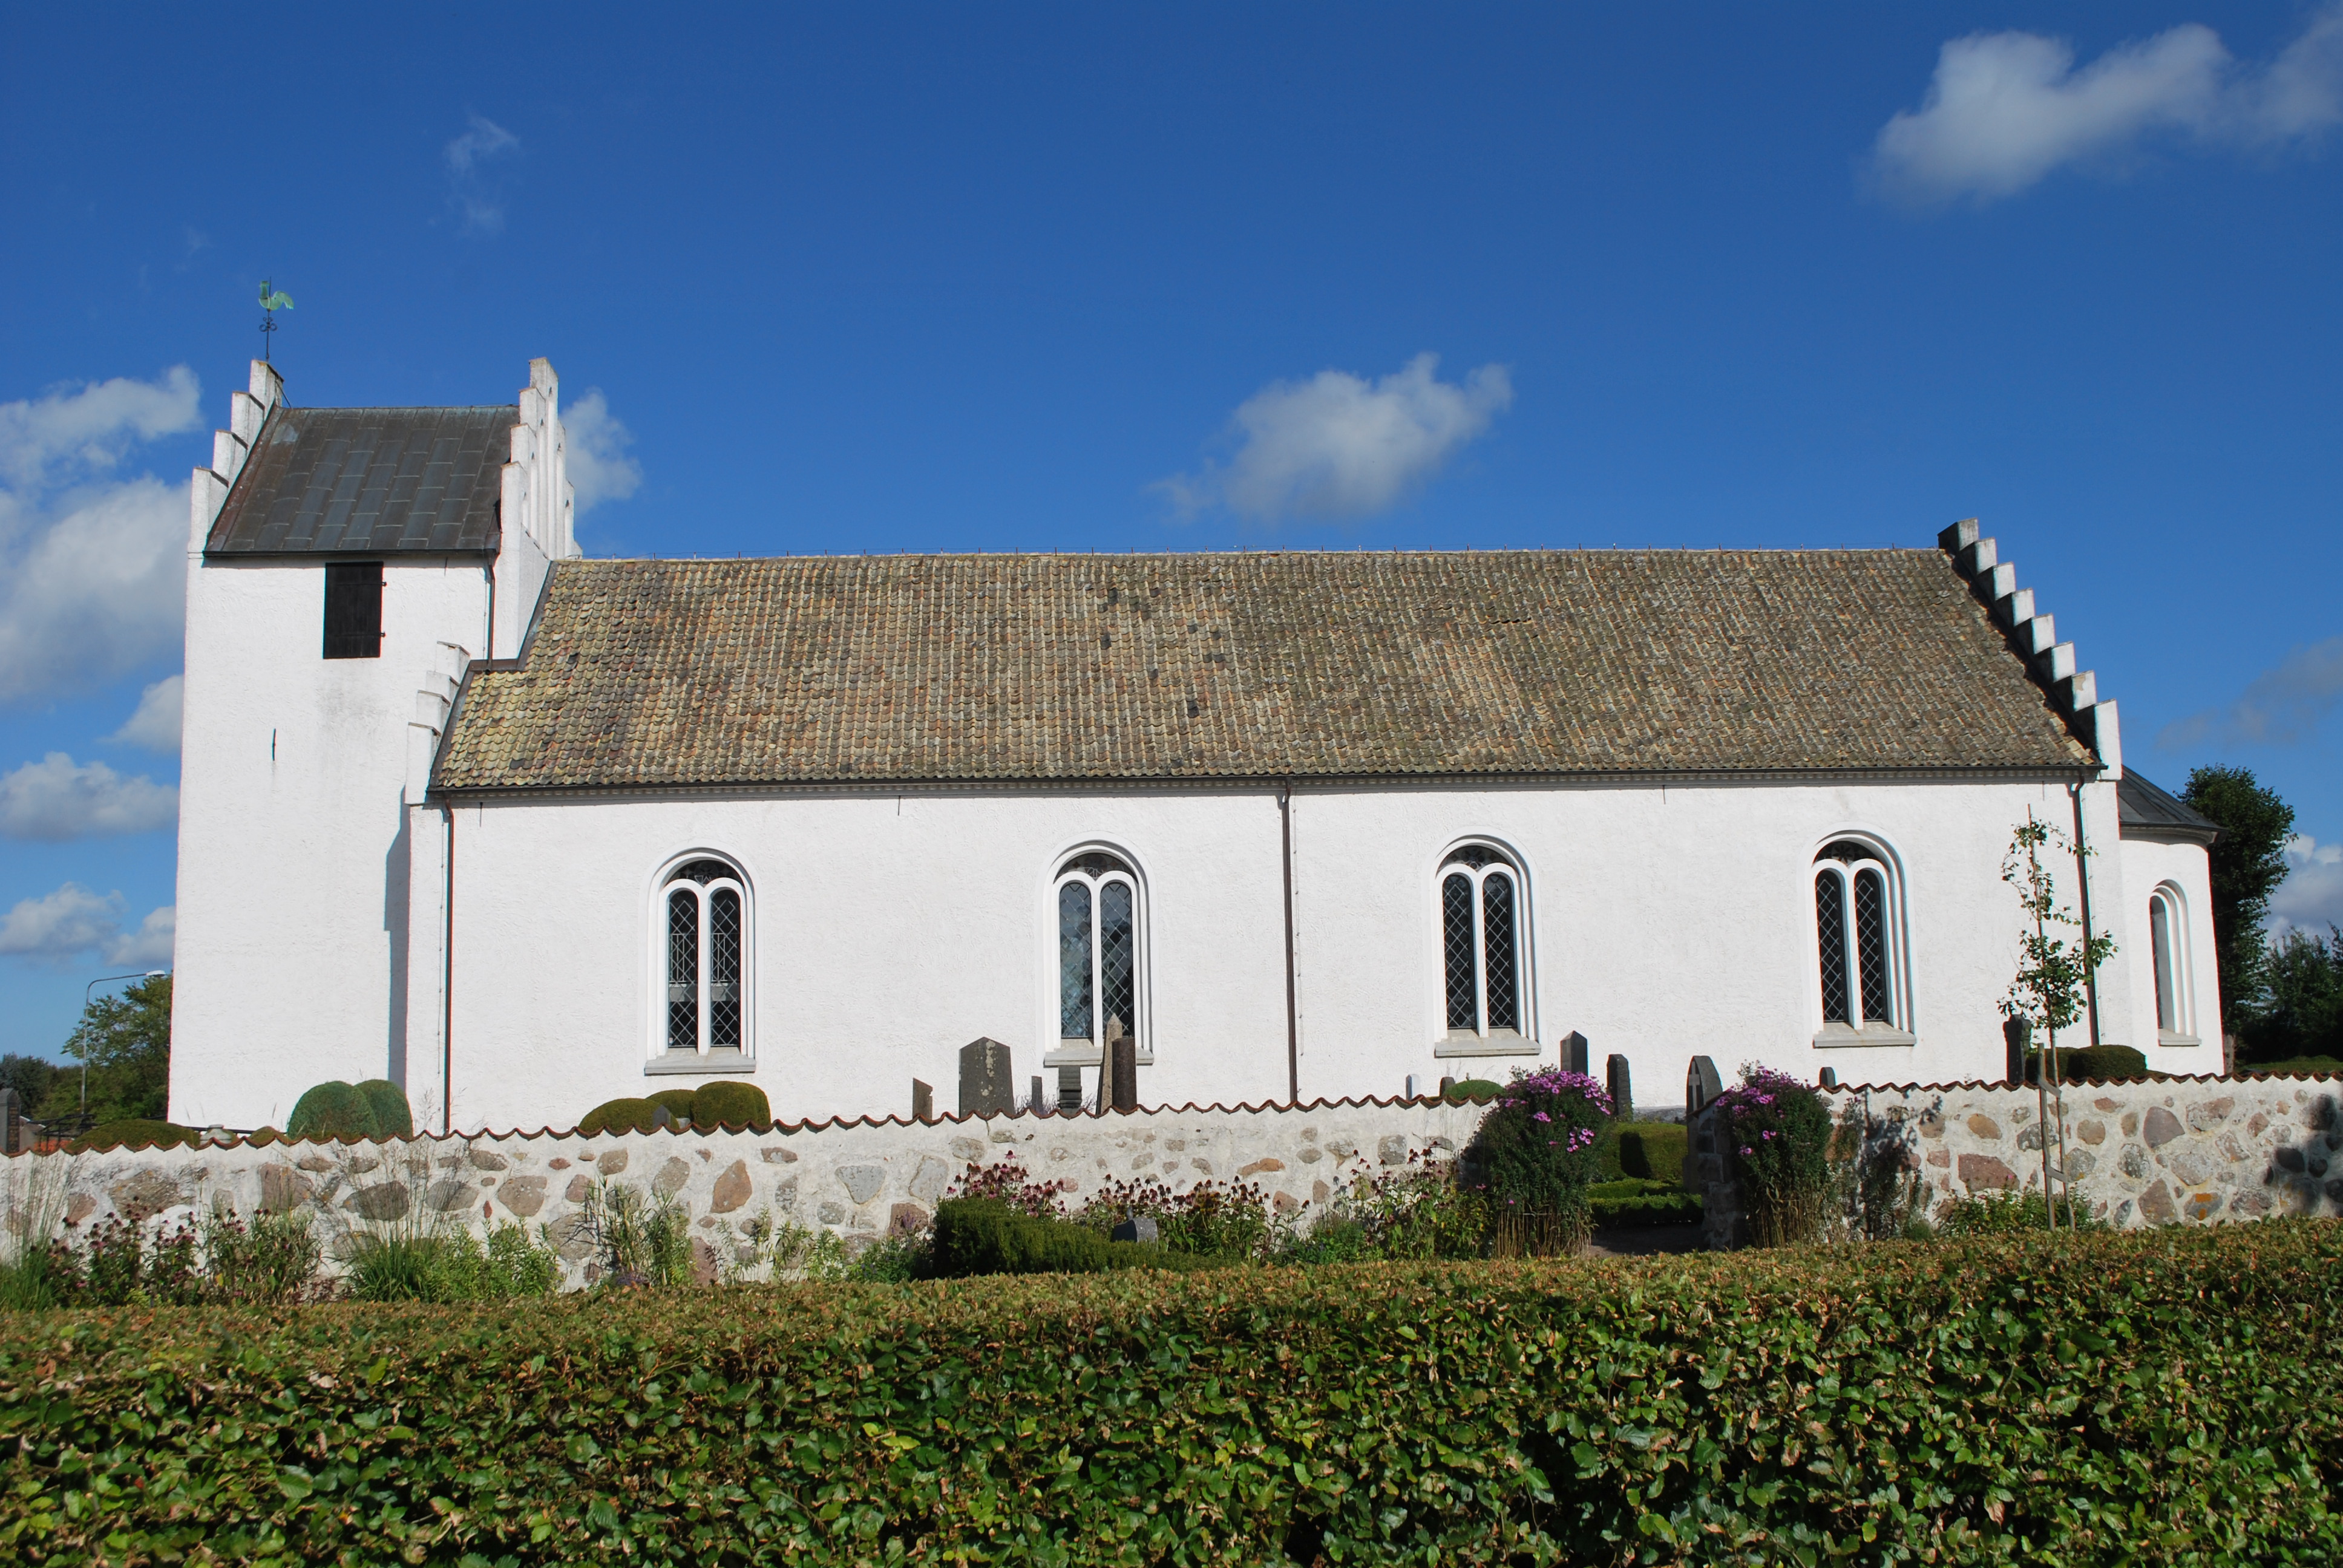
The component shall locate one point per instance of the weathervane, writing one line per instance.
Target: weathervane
(271, 302)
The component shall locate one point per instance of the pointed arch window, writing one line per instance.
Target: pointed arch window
(1858, 919)
(1484, 949)
(1100, 973)
(703, 987)
(2167, 942)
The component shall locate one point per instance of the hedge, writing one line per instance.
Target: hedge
(985, 1236)
(2157, 1397)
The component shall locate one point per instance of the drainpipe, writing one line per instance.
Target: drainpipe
(448, 981)
(2083, 876)
(1293, 1011)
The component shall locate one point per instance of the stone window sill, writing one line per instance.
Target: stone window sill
(1839, 1037)
(2166, 1037)
(1497, 1043)
(1082, 1053)
(730, 1063)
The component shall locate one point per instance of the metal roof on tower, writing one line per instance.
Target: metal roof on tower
(369, 481)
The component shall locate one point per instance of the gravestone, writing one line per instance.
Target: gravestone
(1830, 1078)
(1139, 1228)
(1573, 1052)
(1623, 1092)
(1037, 1105)
(1070, 1091)
(2017, 1033)
(1447, 1085)
(987, 1084)
(1123, 1066)
(923, 1101)
(1702, 1085)
(8, 1121)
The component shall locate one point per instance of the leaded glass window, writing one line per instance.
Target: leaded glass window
(1856, 935)
(2167, 942)
(1099, 950)
(704, 912)
(1480, 942)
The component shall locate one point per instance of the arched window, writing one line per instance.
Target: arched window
(703, 920)
(1857, 916)
(1099, 952)
(1484, 976)
(2167, 942)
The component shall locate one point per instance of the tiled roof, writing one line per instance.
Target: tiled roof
(2145, 811)
(1196, 667)
(369, 481)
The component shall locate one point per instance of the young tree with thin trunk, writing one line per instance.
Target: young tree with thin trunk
(2053, 980)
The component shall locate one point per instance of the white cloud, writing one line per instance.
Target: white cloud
(2282, 705)
(72, 921)
(2005, 109)
(2311, 896)
(155, 724)
(595, 454)
(151, 943)
(57, 799)
(479, 198)
(93, 568)
(1336, 446)
(93, 428)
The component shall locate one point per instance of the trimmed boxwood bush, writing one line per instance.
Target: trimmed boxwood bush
(1645, 1151)
(375, 1109)
(726, 1103)
(133, 1133)
(2163, 1397)
(1634, 1201)
(1474, 1088)
(2093, 1064)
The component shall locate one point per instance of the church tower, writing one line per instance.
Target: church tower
(347, 567)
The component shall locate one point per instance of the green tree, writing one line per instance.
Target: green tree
(2052, 979)
(2249, 863)
(2304, 1014)
(126, 1041)
(30, 1077)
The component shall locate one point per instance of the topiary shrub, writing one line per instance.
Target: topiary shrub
(628, 1115)
(1776, 1133)
(1634, 1200)
(676, 1102)
(373, 1110)
(2093, 1064)
(387, 1101)
(1480, 1089)
(1535, 1151)
(1644, 1150)
(725, 1103)
(135, 1132)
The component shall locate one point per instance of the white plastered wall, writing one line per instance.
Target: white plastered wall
(890, 930)
(2187, 870)
(293, 951)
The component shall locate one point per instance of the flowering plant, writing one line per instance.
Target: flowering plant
(1776, 1134)
(1535, 1151)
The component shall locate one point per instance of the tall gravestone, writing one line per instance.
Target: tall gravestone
(1123, 1069)
(1070, 1091)
(9, 1121)
(1702, 1085)
(923, 1101)
(2017, 1033)
(1573, 1053)
(1037, 1105)
(1622, 1091)
(987, 1084)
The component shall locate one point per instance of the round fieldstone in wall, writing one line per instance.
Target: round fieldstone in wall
(524, 1195)
(733, 1189)
(2161, 1128)
(670, 1178)
(613, 1162)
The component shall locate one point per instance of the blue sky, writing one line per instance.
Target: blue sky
(1117, 277)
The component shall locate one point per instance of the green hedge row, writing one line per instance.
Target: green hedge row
(985, 1236)
(2160, 1397)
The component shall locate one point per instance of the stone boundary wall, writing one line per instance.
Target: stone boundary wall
(2156, 1151)
(858, 1180)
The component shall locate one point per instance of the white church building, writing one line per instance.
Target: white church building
(525, 832)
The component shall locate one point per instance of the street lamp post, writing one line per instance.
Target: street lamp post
(86, 991)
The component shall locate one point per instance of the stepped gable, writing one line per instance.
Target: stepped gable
(664, 674)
